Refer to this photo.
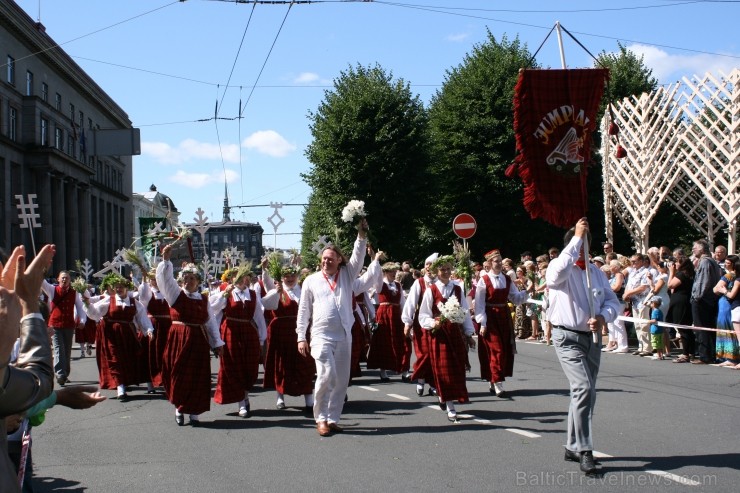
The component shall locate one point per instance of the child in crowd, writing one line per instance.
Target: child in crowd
(656, 331)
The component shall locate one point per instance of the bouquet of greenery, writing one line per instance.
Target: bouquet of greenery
(275, 266)
(79, 284)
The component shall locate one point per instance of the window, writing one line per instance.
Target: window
(89, 123)
(11, 70)
(58, 101)
(44, 132)
(12, 124)
(82, 120)
(226, 238)
(45, 92)
(71, 112)
(215, 239)
(29, 83)
(58, 138)
(70, 145)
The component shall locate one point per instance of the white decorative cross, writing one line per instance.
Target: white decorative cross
(117, 262)
(201, 223)
(86, 269)
(27, 211)
(319, 245)
(218, 260)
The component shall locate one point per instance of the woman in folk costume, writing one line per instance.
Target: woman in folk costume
(421, 338)
(159, 314)
(85, 335)
(495, 289)
(450, 339)
(186, 364)
(120, 354)
(387, 346)
(364, 312)
(244, 332)
(286, 370)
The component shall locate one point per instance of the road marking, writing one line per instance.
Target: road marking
(367, 388)
(401, 397)
(484, 421)
(674, 477)
(525, 433)
(602, 455)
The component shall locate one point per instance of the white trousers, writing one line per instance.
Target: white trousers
(333, 359)
(618, 333)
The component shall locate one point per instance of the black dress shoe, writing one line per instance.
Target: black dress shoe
(572, 456)
(385, 379)
(587, 462)
(194, 423)
(420, 391)
(432, 391)
(123, 397)
(443, 406)
(180, 419)
(491, 389)
(405, 378)
(280, 405)
(151, 392)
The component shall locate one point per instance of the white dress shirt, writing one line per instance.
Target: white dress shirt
(412, 299)
(171, 291)
(237, 295)
(499, 282)
(426, 313)
(569, 305)
(330, 311)
(99, 309)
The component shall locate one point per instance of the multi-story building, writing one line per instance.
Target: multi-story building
(152, 207)
(49, 108)
(227, 235)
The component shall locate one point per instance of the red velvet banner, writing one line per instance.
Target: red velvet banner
(554, 117)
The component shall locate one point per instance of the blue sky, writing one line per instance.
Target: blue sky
(167, 63)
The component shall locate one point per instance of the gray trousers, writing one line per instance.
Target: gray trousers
(580, 357)
(61, 339)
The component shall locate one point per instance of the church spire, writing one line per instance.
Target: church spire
(227, 209)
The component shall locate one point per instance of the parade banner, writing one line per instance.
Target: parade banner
(554, 118)
(146, 224)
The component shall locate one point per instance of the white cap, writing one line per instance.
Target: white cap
(430, 259)
(598, 259)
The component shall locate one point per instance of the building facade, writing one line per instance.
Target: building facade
(49, 107)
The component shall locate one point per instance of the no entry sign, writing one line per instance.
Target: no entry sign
(464, 226)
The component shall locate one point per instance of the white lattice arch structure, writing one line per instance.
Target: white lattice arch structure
(682, 146)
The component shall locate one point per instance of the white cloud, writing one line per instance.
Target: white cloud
(269, 142)
(190, 150)
(456, 38)
(670, 68)
(306, 78)
(200, 180)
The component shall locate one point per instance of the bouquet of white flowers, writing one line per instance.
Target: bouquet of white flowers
(451, 311)
(353, 210)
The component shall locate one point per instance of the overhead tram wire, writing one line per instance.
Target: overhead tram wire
(219, 105)
(59, 45)
(554, 11)
(274, 41)
(603, 36)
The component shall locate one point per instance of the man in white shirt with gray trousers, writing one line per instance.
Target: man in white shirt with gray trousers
(574, 333)
(326, 302)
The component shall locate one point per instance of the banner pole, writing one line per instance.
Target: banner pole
(560, 44)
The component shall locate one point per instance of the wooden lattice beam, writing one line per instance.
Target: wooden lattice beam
(683, 145)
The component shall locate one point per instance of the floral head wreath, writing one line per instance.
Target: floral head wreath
(289, 270)
(190, 269)
(390, 266)
(444, 259)
(244, 270)
(114, 279)
(228, 273)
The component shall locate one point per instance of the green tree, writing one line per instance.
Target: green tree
(369, 143)
(471, 126)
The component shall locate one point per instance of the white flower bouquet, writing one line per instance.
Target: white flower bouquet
(353, 210)
(451, 311)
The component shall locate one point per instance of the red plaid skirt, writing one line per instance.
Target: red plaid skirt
(449, 359)
(387, 345)
(285, 369)
(186, 369)
(240, 361)
(499, 345)
(120, 354)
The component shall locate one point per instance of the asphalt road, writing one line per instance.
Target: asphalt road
(658, 427)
